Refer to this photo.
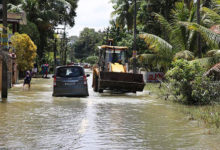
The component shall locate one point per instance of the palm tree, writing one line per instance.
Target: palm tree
(181, 33)
(124, 10)
(179, 37)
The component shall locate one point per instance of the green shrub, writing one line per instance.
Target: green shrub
(189, 85)
(205, 91)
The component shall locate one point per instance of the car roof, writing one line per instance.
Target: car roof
(69, 66)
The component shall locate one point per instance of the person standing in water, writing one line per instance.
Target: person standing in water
(27, 79)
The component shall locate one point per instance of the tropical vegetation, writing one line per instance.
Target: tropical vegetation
(43, 16)
(188, 84)
(169, 32)
(25, 51)
(170, 29)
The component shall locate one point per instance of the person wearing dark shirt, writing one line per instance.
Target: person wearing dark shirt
(27, 79)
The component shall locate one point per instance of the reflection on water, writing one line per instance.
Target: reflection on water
(36, 120)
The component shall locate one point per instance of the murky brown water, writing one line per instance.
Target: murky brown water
(36, 120)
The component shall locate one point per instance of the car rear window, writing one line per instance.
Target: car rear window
(70, 72)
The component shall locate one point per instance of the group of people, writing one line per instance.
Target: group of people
(45, 70)
(30, 74)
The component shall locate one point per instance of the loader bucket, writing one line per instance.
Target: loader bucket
(126, 82)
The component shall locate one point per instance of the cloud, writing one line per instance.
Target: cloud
(93, 14)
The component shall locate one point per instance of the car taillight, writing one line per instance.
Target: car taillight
(54, 81)
(85, 80)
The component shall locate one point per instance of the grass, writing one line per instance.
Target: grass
(208, 115)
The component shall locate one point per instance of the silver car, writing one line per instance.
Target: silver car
(70, 81)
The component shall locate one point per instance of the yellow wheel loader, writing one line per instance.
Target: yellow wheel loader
(111, 72)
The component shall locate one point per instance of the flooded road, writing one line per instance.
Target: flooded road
(36, 120)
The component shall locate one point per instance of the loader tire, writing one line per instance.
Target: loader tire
(95, 88)
(100, 90)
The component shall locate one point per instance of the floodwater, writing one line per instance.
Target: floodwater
(36, 120)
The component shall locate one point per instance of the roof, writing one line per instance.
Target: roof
(113, 47)
(16, 18)
(216, 29)
(215, 70)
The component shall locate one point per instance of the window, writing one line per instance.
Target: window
(70, 72)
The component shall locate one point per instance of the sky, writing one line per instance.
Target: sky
(93, 14)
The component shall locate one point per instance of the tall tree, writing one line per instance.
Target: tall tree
(124, 13)
(86, 44)
(46, 15)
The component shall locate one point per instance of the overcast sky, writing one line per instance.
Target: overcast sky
(93, 14)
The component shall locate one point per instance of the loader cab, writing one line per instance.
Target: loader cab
(115, 56)
(112, 55)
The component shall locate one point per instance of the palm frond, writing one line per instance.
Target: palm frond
(157, 44)
(187, 55)
(211, 37)
(148, 58)
(172, 31)
(177, 39)
(192, 13)
(217, 5)
(163, 22)
(213, 53)
(180, 12)
(212, 14)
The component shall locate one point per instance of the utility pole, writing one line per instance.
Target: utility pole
(55, 53)
(65, 42)
(135, 37)
(55, 47)
(198, 34)
(64, 48)
(4, 93)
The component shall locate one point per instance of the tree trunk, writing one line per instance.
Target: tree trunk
(187, 2)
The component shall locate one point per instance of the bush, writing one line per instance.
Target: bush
(25, 50)
(189, 85)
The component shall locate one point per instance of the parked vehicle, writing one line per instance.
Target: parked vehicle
(86, 65)
(77, 64)
(70, 81)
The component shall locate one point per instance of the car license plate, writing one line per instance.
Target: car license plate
(72, 83)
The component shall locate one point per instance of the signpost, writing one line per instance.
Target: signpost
(154, 76)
